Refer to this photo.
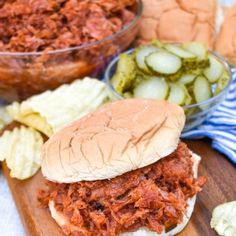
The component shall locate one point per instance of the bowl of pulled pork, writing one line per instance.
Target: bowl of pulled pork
(44, 44)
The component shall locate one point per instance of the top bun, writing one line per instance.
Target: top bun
(119, 137)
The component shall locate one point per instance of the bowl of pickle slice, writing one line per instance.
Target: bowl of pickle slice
(186, 74)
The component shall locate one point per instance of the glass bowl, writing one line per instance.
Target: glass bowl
(25, 74)
(196, 113)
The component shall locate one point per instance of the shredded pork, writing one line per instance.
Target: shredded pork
(154, 197)
(38, 25)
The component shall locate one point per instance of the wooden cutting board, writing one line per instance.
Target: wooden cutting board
(220, 188)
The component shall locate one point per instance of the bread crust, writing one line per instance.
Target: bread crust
(122, 136)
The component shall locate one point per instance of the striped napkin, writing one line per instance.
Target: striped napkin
(221, 125)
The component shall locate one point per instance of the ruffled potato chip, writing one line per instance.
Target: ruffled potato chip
(224, 219)
(52, 110)
(21, 148)
(4, 117)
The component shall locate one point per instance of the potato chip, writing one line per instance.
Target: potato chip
(21, 148)
(52, 110)
(4, 117)
(224, 219)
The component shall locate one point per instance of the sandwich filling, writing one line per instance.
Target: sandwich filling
(154, 197)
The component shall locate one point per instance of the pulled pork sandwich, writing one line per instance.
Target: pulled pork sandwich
(122, 170)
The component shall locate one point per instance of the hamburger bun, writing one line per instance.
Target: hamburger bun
(61, 220)
(119, 137)
(226, 41)
(180, 21)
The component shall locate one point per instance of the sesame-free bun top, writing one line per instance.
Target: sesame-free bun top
(119, 137)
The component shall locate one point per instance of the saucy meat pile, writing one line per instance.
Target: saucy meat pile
(38, 25)
(154, 197)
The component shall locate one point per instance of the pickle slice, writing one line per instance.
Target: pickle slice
(177, 94)
(141, 54)
(201, 89)
(126, 65)
(187, 78)
(196, 48)
(222, 82)
(157, 43)
(197, 71)
(124, 77)
(214, 71)
(153, 88)
(128, 95)
(118, 82)
(163, 62)
(174, 77)
(139, 78)
(180, 52)
(188, 97)
(224, 218)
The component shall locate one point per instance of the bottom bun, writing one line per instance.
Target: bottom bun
(174, 231)
(62, 220)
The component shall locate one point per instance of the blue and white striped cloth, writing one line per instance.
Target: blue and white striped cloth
(221, 125)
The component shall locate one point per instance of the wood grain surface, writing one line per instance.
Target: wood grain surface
(220, 188)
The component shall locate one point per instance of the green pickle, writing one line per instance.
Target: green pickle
(157, 43)
(222, 82)
(124, 77)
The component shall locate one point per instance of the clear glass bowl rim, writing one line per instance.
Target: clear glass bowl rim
(86, 45)
(212, 99)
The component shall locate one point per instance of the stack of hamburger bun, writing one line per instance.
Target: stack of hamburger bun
(178, 21)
